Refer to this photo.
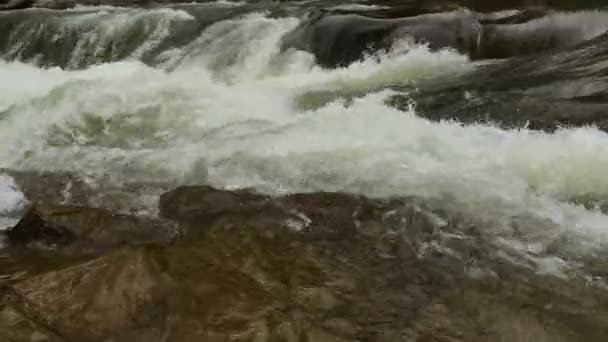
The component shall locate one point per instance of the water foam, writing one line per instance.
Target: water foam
(11, 201)
(581, 25)
(237, 124)
(91, 35)
(357, 7)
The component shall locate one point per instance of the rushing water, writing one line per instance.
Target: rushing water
(119, 96)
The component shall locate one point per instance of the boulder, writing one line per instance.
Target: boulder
(341, 39)
(338, 39)
(82, 231)
(543, 92)
(350, 269)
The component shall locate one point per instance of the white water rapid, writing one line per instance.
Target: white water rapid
(226, 109)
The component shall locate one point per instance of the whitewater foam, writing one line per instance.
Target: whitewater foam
(357, 7)
(12, 201)
(228, 115)
(577, 26)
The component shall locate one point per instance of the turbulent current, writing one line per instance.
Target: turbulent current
(132, 101)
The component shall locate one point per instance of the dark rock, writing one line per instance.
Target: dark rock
(16, 4)
(488, 6)
(320, 215)
(543, 92)
(82, 231)
(207, 202)
(341, 39)
(33, 229)
(338, 40)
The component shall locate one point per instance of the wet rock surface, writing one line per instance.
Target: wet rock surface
(339, 39)
(304, 267)
(543, 92)
(82, 231)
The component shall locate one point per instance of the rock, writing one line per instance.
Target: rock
(323, 214)
(238, 282)
(204, 201)
(543, 92)
(16, 326)
(341, 39)
(121, 290)
(16, 4)
(33, 229)
(81, 231)
(241, 273)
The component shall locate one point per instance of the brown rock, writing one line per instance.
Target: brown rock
(252, 277)
(319, 215)
(243, 283)
(81, 231)
(15, 326)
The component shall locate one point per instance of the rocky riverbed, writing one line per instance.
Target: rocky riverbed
(240, 266)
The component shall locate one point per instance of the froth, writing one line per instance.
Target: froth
(11, 201)
(233, 121)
